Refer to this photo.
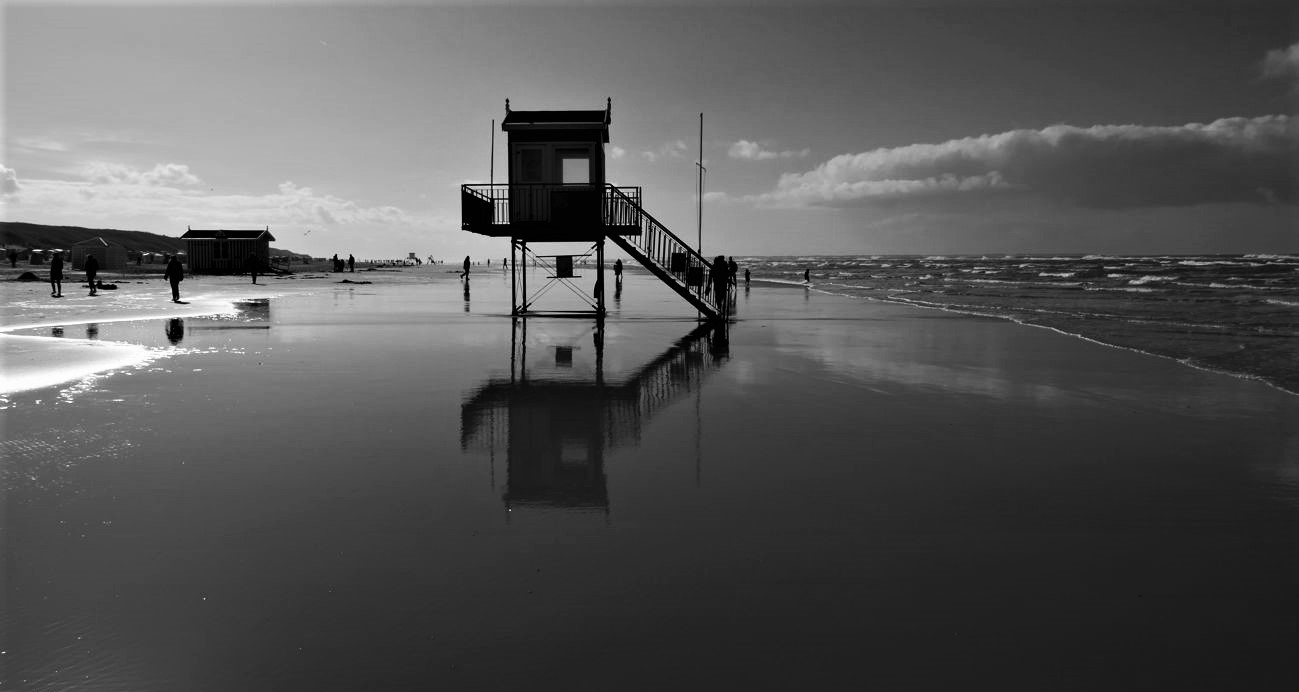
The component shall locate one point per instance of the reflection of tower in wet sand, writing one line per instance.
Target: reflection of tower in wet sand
(555, 432)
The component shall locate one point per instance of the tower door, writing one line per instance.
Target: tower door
(529, 184)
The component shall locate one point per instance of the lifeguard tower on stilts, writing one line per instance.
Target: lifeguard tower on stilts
(556, 194)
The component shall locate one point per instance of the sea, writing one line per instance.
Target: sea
(1236, 314)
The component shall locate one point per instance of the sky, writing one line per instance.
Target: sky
(877, 127)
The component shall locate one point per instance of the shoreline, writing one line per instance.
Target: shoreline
(224, 289)
(1276, 382)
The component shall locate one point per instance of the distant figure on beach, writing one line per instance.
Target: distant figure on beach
(252, 265)
(807, 276)
(174, 273)
(175, 330)
(56, 275)
(338, 266)
(617, 274)
(465, 275)
(92, 268)
(734, 270)
(351, 264)
(13, 259)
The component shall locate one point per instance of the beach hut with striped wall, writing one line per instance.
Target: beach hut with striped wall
(225, 251)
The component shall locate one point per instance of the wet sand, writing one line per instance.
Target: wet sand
(386, 486)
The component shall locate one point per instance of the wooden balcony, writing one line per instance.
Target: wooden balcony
(550, 212)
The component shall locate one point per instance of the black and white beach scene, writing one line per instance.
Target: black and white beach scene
(649, 345)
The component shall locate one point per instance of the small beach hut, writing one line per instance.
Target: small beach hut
(111, 256)
(225, 251)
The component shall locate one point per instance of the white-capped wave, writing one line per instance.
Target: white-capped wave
(1150, 279)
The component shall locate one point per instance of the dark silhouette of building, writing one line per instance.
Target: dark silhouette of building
(226, 251)
(556, 193)
(110, 256)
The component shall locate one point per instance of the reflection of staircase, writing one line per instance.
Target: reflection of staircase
(661, 252)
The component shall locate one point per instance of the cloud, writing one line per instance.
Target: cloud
(1103, 166)
(1282, 63)
(163, 174)
(143, 197)
(754, 151)
(8, 181)
(670, 150)
(39, 144)
(616, 152)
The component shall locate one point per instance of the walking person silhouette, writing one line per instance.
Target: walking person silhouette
(174, 274)
(92, 268)
(56, 275)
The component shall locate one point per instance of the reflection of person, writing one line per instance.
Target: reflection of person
(351, 264)
(465, 275)
(175, 330)
(174, 273)
(252, 265)
(92, 268)
(56, 275)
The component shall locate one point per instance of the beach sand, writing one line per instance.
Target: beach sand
(339, 487)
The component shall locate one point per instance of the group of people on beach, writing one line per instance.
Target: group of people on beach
(340, 264)
(725, 275)
(91, 267)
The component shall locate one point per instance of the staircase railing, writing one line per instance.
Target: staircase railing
(625, 222)
(675, 261)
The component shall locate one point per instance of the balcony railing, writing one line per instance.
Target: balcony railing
(485, 205)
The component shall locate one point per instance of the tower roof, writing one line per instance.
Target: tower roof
(558, 120)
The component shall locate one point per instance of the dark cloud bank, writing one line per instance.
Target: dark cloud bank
(1232, 160)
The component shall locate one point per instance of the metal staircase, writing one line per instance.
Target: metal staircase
(661, 252)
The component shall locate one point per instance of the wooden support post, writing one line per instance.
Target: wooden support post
(514, 291)
(599, 280)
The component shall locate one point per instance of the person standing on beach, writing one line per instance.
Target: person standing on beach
(252, 265)
(465, 275)
(92, 268)
(174, 273)
(746, 277)
(13, 259)
(337, 267)
(351, 264)
(734, 270)
(56, 275)
(617, 273)
(807, 276)
(720, 271)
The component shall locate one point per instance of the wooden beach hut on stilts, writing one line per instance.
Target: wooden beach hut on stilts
(556, 194)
